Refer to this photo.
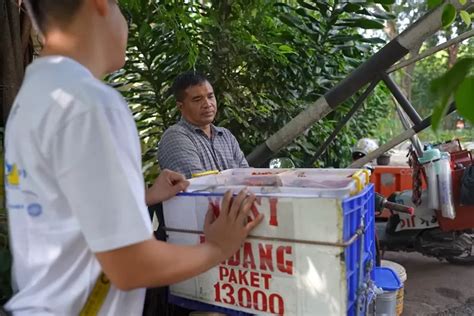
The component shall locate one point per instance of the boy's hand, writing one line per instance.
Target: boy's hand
(228, 231)
(167, 185)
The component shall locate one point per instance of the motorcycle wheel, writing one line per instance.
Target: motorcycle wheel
(466, 258)
(461, 260)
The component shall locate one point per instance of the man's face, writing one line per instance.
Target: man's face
(199, 105)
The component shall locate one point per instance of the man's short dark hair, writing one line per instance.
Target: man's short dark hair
(186, 80)
(59, 11)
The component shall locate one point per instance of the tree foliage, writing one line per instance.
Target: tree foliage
(458, 82)
(265, 59)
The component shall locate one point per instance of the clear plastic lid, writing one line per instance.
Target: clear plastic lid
(285, 182)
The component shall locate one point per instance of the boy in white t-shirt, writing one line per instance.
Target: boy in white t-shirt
(75, 192)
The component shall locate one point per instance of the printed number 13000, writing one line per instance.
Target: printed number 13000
(246, 298)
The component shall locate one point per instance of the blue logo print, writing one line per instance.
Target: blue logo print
(34, 209)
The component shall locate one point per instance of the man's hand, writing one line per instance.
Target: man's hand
(167, 185)
(227, 232)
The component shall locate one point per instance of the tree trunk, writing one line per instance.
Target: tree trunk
(407, 78)
(451, 50)
(16, 52)
(391, 29)
(450, 121)
(452, 55)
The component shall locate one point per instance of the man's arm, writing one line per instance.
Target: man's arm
(178, 153)
(154, 263)
(239, 156)
(167, 185)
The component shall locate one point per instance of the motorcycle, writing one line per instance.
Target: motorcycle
(424, 229)
(421, 228)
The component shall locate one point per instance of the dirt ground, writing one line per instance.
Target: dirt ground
(435, 288)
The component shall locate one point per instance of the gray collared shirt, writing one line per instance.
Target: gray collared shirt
(185, 148)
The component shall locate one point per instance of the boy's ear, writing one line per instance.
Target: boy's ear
(179, 104)
(102, 6)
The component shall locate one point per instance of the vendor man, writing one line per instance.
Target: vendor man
(194, 144)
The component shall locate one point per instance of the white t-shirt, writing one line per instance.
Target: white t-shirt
(74, 186)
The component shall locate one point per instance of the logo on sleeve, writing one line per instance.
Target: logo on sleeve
(34, 209)
(14, 183)
(14, 175)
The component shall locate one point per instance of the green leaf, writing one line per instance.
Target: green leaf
(373, 40)
(290, 20)
(383, 15)
(448, 83)
(323, 7)
(449, 14)
(351, 7)
(386, 2)
(464, 97)
(465, 17)
(364, 23)
(286, 49)
(434, 3)
(439, 113)
(307, 5)
(444, 86)
(463, 2)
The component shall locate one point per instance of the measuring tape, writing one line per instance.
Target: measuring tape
(97, 297)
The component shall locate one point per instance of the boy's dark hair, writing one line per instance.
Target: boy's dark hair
(186, 80)
(59, 11)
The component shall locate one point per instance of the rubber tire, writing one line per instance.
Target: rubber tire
(464, 261)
